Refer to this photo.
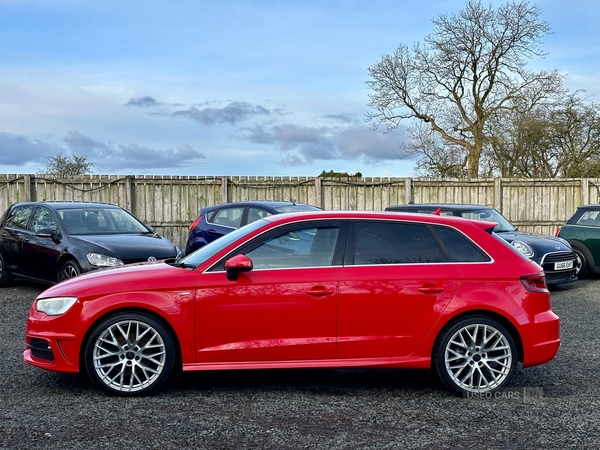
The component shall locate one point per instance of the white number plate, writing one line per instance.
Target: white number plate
(563, 265)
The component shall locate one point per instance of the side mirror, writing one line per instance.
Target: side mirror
(46, 232)
(237, 264)
(49, 233)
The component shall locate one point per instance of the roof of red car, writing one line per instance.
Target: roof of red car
(413, 217)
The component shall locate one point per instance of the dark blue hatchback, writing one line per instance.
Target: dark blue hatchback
(215, 221)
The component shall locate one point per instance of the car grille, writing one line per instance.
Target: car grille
(40, 349)
(557, 257)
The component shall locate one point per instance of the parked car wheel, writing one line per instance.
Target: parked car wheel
(130, 354)
(476, 355)
(581, 265)
(68, 270)
(5, 276)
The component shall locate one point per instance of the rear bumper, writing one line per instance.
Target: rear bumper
(541, 340)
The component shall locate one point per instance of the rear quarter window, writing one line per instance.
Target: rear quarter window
(590, 219)
(459, 247)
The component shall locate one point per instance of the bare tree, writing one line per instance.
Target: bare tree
(555, 140)
(68, 166)
(470, 68)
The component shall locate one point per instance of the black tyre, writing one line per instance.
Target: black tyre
(5, 275)
(68, 270)
(130, 354)
(581, 265)
(476, 355)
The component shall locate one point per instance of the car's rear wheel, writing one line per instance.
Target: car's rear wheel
(5, 275)
(476, 355)
(581, 265)
(130, 354)
(68, 270)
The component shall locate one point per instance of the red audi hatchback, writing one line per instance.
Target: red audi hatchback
(318, 289)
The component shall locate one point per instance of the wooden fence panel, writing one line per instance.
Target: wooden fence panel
(171, 203)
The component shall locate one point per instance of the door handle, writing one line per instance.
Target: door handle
(320, 291)
(431, 289)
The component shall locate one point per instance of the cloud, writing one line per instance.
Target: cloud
(303, 145)
(342, 118)
(17, 150)
(207, 113)
(233, 113)
(143, 102)
(111, 156)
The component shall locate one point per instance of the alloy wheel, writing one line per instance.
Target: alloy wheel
(478, 358)
(129, 356)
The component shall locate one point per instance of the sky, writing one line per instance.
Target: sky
(226, 87)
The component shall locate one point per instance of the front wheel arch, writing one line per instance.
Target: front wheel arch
(178, 359)
(5, 275)
(588, 261)
(129, 353)
(68, 268)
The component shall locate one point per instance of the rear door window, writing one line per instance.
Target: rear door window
(394, 243)
(20, 217)
(227, 217)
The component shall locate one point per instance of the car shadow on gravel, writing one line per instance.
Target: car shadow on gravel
(325, 381)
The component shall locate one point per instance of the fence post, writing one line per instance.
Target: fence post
(408, 197)
(130, 194)
(585, 191)
(224, 190)
(498, 193)
(28, 191)
(319, 192)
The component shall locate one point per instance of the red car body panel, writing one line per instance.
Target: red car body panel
(332, 316)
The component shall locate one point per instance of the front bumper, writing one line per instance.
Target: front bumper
(549, 263)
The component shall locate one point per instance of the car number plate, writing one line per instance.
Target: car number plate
(563, 265)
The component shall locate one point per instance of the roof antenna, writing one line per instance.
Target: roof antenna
(437, 212)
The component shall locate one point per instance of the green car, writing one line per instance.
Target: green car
(582, 231)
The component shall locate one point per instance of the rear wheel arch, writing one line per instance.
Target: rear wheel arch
(475, 354)
(489, 315)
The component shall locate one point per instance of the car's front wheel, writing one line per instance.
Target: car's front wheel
(130, 354)
(581, 265)
(68, 270)
(476, 355)
(5, 275)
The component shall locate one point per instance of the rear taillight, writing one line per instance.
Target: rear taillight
(535, 283)
(557, 231)
(196, 222)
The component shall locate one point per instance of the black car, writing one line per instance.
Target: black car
(218, 220)
(582, 231)
(52, 241)
(554, 254)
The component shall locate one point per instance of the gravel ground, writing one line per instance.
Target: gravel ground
(552, 406)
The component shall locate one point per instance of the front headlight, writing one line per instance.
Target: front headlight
(55, 306)
(523, 248)
(100, 260)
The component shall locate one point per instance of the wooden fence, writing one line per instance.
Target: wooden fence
(171, 203)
